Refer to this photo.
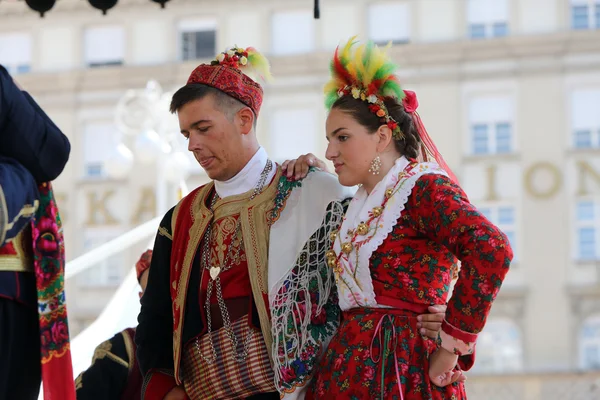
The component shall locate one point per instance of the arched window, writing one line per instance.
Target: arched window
(499, 348)
(589, 343)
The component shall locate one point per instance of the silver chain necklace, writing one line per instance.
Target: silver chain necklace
(215, 272)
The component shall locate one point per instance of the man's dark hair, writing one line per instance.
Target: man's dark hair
(225, 103)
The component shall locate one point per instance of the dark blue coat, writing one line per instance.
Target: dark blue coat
(32, 151)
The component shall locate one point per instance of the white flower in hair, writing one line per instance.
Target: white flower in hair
(355, 92)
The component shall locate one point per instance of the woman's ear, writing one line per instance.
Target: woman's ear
(385, 136)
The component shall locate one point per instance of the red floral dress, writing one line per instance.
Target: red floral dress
(410, 270)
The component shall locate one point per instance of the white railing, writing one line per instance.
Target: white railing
(122, 309)
(109, 249)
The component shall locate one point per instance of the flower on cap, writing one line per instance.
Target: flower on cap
(220, 57)
(230, 53)
(243, 60)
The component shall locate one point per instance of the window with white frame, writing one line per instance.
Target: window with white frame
(587, 217)
(585, 14)
(589, 344)
(104, 46)
(505, 218)
(389, 22)
(491, 125)
(293, 32)
(585, 118)
(198, 39)
(15, 52)
(108, 272)
(99, 142)
(487, 18)
(292, 133)
(499, 348)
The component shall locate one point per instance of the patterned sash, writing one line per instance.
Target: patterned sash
(49, 264)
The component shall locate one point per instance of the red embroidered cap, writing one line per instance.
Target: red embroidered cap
(226, 74)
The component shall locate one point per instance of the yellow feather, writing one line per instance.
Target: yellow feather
(358, 63)
(332, 85)
(345, 54)
(377, 60)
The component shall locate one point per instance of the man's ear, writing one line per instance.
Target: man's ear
(246, 120)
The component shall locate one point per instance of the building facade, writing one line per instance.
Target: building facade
(509, 90)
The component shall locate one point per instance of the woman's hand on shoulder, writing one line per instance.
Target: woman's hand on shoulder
(298, 168)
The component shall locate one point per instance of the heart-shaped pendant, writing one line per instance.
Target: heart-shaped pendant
(214, 272)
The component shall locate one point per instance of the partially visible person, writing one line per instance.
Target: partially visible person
(34, 336)
(398, 246)
(115, 373)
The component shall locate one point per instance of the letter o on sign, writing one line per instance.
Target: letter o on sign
(550, 187)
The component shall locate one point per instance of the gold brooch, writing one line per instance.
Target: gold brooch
(362, 229)
(377, 211)
(347, 247)
(333, 235)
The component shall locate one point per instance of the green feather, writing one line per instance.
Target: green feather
(385, 70)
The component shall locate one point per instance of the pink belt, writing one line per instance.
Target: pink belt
(389, 334)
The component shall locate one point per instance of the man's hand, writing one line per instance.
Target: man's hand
(298, 168)
(441, 368)
(177, 393)
(430, 324)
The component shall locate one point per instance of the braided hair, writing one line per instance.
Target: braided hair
(359, 110)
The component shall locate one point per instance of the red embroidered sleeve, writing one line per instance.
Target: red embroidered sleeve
(441, 211)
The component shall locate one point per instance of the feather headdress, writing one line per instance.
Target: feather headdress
(250, 61)
(367, 73)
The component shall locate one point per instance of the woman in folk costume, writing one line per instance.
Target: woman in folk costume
(404, 230)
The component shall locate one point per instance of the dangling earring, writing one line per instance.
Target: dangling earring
(375, 166)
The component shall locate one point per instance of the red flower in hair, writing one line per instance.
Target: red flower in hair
(410, 101)
(392, 125)
(374, 108)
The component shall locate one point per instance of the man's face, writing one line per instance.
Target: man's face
(144, 281)
(215, 140)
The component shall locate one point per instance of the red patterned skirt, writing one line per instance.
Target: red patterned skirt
(356, 365)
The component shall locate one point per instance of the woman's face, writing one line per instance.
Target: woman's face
(351, 148)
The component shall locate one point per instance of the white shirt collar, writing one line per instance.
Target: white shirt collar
(247, 178)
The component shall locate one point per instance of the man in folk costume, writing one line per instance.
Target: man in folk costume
(34, 335)
(237, 290)
(115, 372)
